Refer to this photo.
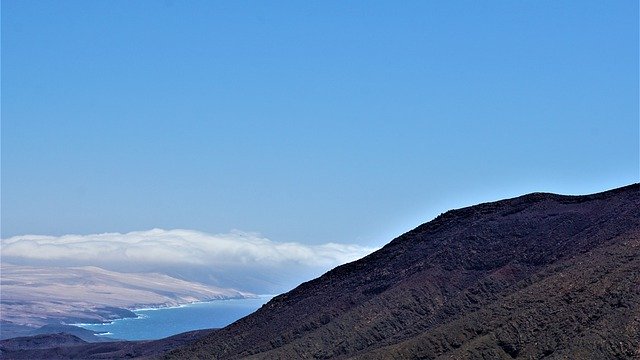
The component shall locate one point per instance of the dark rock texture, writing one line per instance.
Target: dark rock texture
(65, 346)
(538, 276)
(41, 342)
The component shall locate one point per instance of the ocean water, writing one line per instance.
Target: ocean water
(154, 324)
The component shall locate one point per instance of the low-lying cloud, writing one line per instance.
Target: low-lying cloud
(236, 259)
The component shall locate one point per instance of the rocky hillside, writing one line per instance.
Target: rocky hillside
(538, 276)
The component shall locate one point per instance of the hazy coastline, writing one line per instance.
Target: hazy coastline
(196, 315)
(36, 296)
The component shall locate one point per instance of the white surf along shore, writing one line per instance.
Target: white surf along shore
(36, 296)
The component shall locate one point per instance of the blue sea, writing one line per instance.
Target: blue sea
(154, 324)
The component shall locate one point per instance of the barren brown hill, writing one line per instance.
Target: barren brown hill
(538, 276)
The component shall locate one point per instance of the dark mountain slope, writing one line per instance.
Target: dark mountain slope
(538, 275)
(41, 342)
(595, 315)
(58, 346)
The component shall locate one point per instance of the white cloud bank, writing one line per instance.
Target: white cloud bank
(236, 258)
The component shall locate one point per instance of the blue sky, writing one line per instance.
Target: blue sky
(307, 121)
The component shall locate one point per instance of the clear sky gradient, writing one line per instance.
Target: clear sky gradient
(307, 121)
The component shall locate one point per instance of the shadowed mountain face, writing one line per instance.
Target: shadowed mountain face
(540, 275)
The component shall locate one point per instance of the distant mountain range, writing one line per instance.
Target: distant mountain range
(37, 296)
(537, 276)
